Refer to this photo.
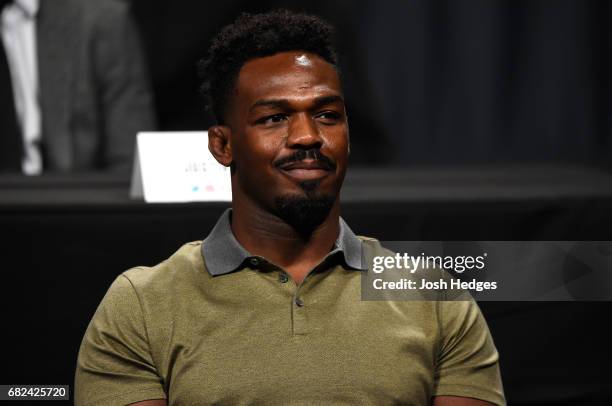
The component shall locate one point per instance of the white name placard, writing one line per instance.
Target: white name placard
(171, 167)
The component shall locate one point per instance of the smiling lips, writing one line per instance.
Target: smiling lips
(306, 170)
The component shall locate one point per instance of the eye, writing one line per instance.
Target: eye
(328, 117)
(273, 119)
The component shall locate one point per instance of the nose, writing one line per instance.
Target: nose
(303, 133)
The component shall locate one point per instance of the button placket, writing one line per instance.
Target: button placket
(299, 308)
(254, 262)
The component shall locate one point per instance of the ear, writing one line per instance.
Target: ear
(348, 132)
(219, 144)
(348, 138)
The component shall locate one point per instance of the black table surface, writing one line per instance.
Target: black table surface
(65, 238)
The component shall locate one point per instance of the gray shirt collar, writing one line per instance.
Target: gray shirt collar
(223, 254)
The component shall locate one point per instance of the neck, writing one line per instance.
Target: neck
(263, 233)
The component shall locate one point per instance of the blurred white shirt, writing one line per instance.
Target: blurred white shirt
(18, 29)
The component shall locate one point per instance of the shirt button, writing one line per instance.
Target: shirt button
(299, 302)
(254, 261)
(283, 278)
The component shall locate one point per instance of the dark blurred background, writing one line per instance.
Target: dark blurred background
(428, 82)
(470, 120)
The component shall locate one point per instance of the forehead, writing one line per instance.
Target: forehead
(287, 75)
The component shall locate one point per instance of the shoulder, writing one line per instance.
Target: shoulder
(101, 16)
(106, 9)
(103, 9)
(180, 269)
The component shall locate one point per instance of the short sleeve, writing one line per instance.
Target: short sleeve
(115, 366)
(467, 362)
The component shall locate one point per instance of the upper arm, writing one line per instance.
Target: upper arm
(467, 362)
(457, 401)
(156, 402)
(115, 364)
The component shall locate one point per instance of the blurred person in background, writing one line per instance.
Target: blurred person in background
(74, 89)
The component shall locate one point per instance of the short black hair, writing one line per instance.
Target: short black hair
(257, 35)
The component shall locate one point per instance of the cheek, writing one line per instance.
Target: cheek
(257, 151)
(338, 143)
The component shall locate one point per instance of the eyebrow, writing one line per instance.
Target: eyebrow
(286, 105)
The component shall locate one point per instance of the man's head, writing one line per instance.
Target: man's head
(273, 86)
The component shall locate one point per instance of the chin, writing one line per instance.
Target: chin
(311, 186)
(317, 187)
(304, 211)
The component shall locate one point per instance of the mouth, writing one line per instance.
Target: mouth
(306, 170)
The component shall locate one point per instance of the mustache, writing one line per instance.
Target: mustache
(303, 154)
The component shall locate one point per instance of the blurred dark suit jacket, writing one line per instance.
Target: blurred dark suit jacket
(94, 87)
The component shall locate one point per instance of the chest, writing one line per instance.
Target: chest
(274, 352)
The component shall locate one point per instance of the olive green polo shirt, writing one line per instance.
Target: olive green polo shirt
(214, 324)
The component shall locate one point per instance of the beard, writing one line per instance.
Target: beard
(304, 213)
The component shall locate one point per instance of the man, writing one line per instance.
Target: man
(267, 309)
(74, 88)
